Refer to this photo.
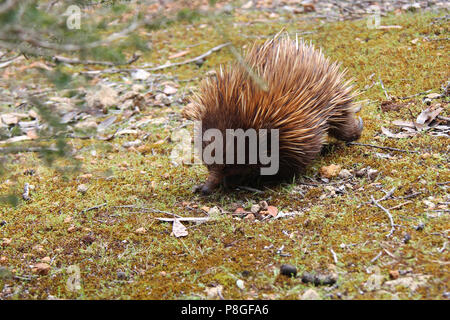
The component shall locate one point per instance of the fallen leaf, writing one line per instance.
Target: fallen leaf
(178, 229)
(41, 268)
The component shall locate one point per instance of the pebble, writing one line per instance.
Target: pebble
(121, 275)
(406, 237)
(310, 294)
(288, 270)
(255, 208)
(319, 279)
(240, 284)
(82, 188)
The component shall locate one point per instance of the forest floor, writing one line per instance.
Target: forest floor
(92, 233)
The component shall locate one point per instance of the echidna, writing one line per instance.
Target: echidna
(283, 84)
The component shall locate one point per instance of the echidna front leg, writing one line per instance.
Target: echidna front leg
(346, 127)
(211, 183)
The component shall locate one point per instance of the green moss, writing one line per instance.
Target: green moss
(160, 266)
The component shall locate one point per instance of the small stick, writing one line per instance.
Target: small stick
(385, 92)
(379, 147)
(415, 95)
(250, 189)
(334, 256)
(443, 247)
(26, 192)
(387, 195)
(412, 195)
(190, 219)
(91, 62)
(377, 257)
(400, 205)
(391, 220)
(200, 57)
(95, 207)
(130, 206)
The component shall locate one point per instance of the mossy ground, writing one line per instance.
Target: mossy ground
(159, 266)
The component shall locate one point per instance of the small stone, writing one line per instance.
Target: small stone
(420, 227)
(394, 274)
(141, 230)
(408, 282)
(361, 173)
(250, 217)
(214, 212)
(310, 294)
(121, 275)
(163, 273)
(140, 74)
(288, 270)
(169, 90)
(240, 284)
(239, 210)
(255, 208)
(82, 188)
(345, 174)
(46, 259)
(372, 174)
(406, 237)
(426, 155)
(263, 205)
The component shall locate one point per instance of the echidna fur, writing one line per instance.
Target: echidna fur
(282, 84)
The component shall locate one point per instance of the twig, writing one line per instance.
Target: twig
(91, 62)
(415, 95)
(26, 192)
(334, 256)
(385, 92)
(190, 219)
(387, 195)
(412, 195)
(376, 257)
(380, 147)
(144, 209)
(250, 189)
(200, 57)
(95, 207)
(391, 220)
(400, 205)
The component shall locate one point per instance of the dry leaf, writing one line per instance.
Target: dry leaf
(428, 115)
(178, 229)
